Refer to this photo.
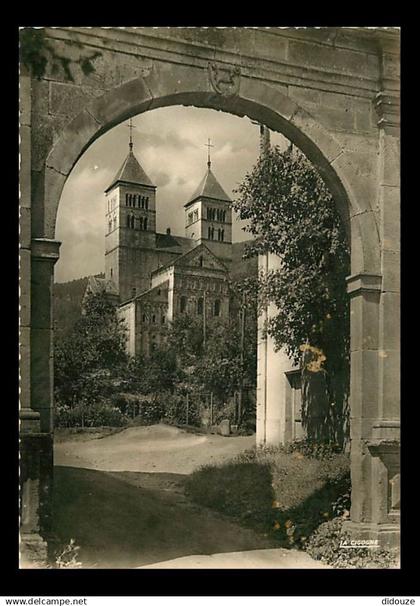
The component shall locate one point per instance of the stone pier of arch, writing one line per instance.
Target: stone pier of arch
(334, 92)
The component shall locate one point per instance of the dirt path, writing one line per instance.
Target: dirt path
(129, 519)
(122, 499)
(158, 448)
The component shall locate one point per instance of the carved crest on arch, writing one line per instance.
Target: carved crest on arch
(225, 80)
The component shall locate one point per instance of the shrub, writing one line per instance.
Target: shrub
(174, 408)
(150, 412)
(93, 415)
(325, 545)
(313, 450)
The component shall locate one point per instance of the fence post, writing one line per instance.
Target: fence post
(211, 409)
(186, 414)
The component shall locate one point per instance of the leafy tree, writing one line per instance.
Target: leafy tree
(151, 375)
(293, 215)
(89, 359)
(221, 363)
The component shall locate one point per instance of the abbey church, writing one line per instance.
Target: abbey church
(154, 277)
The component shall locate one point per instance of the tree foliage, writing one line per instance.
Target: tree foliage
(293, 215)
(88, 359)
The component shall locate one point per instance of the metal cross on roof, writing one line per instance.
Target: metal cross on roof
(208, 145)
(130, 126)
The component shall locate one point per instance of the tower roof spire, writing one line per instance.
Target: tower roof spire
(208, 145)
(130, 126)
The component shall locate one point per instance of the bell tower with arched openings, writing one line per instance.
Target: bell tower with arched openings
(130, 227)
(208, 215)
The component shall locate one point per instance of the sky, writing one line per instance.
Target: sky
(170, 144)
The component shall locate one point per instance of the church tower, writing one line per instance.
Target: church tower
(130, 228)
(208, 216)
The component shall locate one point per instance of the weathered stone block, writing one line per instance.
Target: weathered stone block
(41, 375)
(45, 131)
(25, 367)
(364, 383)
(25, 287)
(25, 227)
(389, 160)
(333, 59)
(365, 121)
(391, 271)
(25, 99)
(25, 166)
(73, 141)
(307, 97)
(41, 290)
(390, 218)
(115, 106)
(69, 100)
(40, 93)
(270, 45)
(224, 427)
(53, 183)
(390, 379)
(390, 320)
(331, 149)
(335, 119)
(362, 188)
(262, 102)
(364, 313)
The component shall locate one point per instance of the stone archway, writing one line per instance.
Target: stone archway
(373, 513)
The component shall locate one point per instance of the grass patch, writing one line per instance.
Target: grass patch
(285, 494)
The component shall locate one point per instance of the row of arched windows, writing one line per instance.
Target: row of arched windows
(112, 224)
(220, 234)
(216, 214)
(192, 216)
(153, 319)
(133, 222)
(137, 201)
(200, 306)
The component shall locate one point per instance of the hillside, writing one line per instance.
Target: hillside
(67, 303)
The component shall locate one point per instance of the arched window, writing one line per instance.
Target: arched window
(209, 233)
(200, 306)
(144, 318)
(109, 225)
(217, 307)
(141, 222)
(147, 203)
(200, 260)
(163, 320)
(111, 272)
(145, 223)
(183, 304)
(128, 221)
(154, 319)
(222, 235)
(115, 222)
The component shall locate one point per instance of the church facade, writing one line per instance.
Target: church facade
(155, 277)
